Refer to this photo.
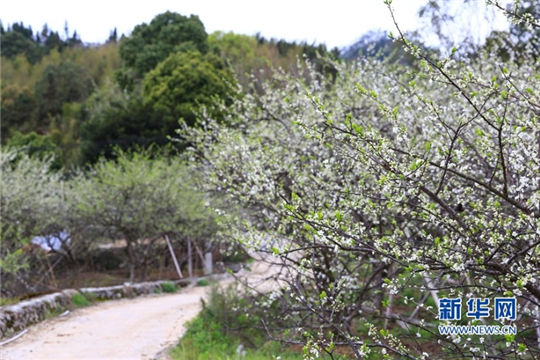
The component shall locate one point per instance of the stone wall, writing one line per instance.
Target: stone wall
(16, 317)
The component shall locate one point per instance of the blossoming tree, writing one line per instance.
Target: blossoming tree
(384, 190)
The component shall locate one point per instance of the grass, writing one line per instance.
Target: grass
(203, 282)
(9, 300)
(79, 300)
(168, 287)
(205, 340)
(51, 313)
(220, 332)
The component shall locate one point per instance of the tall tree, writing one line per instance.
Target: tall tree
(19, 40)
(149, 44)
(61, 83)
(183, 82)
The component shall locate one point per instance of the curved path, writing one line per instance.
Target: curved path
(138, 328)
(121, 329)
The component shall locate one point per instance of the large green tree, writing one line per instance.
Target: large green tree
(183, 82)
(149, 44)
(118, 120)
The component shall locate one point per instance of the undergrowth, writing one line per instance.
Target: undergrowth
(79, 300)
(168, 287)
(221, 333)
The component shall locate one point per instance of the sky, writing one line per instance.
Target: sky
(336, 23)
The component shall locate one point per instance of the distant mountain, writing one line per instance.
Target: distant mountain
(376, 44)
(370, 44)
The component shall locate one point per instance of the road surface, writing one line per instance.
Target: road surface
(138, 328)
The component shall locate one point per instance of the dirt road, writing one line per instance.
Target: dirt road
(121, 329)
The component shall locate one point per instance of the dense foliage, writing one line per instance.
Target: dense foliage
(184, 81)
(136, 199)
(376, 187)
(382, 191)
(90, 99)
(167, 33)
(19, 39)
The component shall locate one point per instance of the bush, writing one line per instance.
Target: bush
(221, 332)
(79, 300)
(203, 282)
(168, 287)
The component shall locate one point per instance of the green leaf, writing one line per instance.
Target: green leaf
(358, 129)
(416, 164)
(509, 337)
(361, 89)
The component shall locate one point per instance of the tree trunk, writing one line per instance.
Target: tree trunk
(174, 257)
(190, 259)
(208, 263)
(206, 259)
(131, 260)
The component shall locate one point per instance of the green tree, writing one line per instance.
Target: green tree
(59, 84)
(36, 145)
(118, 120)
(149, 44)
(18, 111)
(183, 82)
(15, 43)
(139, 199)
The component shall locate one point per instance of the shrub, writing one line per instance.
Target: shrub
(79, 300)
(168, 287)
(221, 331)
(203, 282)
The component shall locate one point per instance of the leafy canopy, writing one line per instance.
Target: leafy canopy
(149, 44)
(183, 82)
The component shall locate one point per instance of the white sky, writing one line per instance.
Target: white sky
(336, 23)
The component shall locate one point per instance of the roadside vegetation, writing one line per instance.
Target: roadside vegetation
(221, 331)
(79, 300)
(169, 287)
(377, 183)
